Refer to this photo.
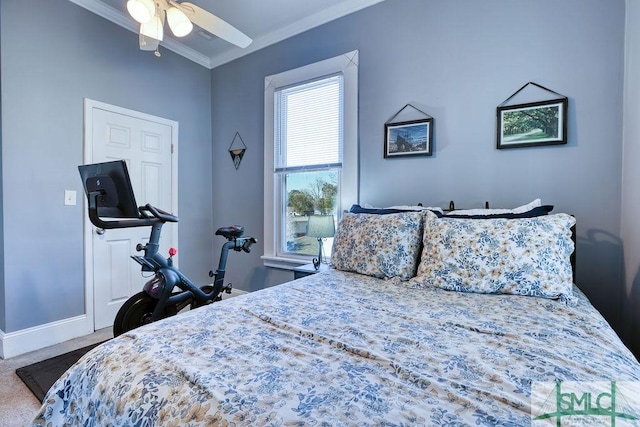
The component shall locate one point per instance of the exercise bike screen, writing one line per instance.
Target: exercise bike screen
(112, 180)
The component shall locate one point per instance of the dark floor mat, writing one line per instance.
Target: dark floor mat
(40, 376)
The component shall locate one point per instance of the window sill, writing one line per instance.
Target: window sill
(283, 263)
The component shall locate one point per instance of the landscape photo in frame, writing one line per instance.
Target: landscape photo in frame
(412, 138)
(529, 125)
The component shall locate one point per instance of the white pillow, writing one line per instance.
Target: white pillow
(520, 209)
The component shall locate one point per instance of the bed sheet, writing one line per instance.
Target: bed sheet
(338, 348)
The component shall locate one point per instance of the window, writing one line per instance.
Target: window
(310, 155)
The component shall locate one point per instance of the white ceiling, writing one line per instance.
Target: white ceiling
(265, 21)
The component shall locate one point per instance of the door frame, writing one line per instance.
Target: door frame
(89, 106)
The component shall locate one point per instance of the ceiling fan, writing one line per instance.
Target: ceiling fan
(151, 15)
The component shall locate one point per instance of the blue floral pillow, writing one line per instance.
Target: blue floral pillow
(382, 246)
(527, 256)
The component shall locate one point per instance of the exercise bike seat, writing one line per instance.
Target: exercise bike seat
(230, 232)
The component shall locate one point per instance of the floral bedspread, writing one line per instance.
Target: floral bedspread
(341, 349)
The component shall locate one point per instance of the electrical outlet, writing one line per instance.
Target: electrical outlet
(69, 197)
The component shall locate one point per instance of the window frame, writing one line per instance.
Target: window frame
(347, 65)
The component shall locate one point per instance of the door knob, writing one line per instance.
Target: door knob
(100, 231)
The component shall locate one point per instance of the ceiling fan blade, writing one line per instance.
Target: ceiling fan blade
(213, 24)
(148, 43)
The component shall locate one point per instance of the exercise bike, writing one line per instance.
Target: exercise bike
(109, 193)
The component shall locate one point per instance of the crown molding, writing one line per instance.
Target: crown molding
(295, 28)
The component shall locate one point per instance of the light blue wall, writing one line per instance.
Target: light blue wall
(457, 61)
(63, 55)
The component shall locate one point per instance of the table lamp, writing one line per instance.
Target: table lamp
(320, 226)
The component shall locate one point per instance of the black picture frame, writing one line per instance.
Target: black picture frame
(531, 125)
(409, 138)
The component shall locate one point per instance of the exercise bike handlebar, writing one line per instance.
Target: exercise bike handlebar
(158, 213)
(246, 245)
(158, 216)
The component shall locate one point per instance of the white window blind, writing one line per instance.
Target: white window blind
(308, 126)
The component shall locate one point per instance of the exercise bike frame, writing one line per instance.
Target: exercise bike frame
(166, 276)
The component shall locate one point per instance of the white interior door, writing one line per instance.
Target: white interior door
(146, 144)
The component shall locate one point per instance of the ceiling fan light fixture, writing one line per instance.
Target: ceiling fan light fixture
(141, 10)
(153, 28)
(178, 22)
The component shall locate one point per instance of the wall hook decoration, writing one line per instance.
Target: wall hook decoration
(237, 150)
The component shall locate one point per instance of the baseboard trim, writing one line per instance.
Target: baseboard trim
(16, 343)
(30, 339)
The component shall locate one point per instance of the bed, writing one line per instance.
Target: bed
(424, 320)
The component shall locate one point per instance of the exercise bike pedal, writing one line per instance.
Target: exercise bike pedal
(227, 289)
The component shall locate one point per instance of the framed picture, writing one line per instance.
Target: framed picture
(530, 125)
(412, 138)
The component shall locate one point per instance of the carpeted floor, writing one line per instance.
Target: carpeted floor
(40, 376)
